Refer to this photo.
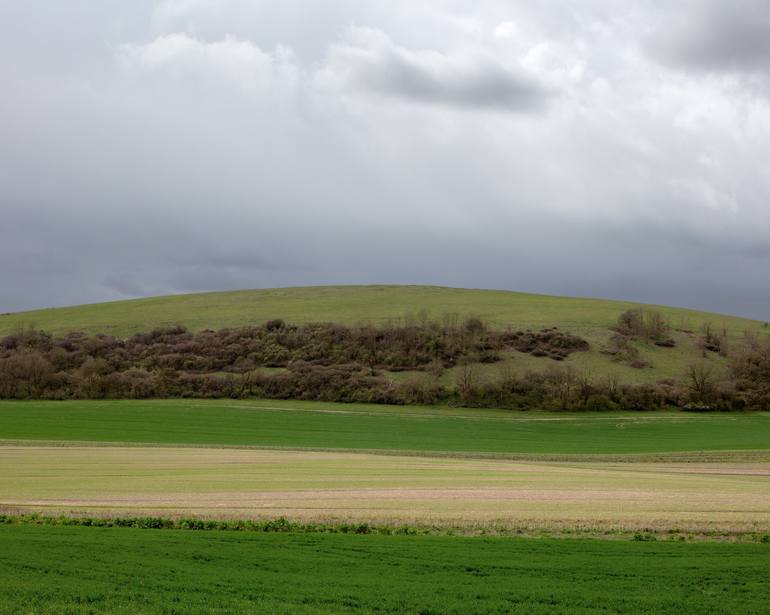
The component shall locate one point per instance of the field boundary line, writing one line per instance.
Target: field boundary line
(15, 516)
(753, 455)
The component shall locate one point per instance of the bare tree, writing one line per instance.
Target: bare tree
(701, 381)
(466, 380)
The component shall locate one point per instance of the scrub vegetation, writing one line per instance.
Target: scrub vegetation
(442, 362)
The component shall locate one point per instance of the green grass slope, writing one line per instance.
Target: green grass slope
(347, 304)
(590, 318)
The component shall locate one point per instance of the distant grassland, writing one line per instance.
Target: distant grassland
(113, 570)
(297, 424)
(348, 304)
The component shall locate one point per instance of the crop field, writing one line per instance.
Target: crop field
(449, 467)
(86, 570)
(296, 424)
(345, 487)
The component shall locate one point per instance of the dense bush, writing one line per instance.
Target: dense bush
(750, 367)
(546, 343)
(35, 364)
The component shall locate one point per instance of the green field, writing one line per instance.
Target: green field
(114, 570)
(319, 425)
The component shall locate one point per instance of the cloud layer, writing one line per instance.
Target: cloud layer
(190, 145)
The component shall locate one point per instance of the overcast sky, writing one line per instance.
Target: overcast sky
(584, 147)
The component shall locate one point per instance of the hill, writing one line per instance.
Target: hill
(349, 305)
(592, 319)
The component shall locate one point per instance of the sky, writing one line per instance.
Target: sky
(574, 147)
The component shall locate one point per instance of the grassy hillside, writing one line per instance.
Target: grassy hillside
(589, 318)
(347, 304)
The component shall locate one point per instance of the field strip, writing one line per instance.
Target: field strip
(471, 414)
(395, 431)
(718, 456)
(230, 483)
(480, 414)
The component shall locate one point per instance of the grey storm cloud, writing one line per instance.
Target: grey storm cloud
(592, 148)
(718, 35)
(373, 62)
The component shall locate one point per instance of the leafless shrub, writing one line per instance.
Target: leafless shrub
(701, 382)
(644, 325)
(712, 341)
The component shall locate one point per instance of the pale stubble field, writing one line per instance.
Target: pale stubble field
(464, 493)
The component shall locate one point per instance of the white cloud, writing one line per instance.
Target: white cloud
(183, 56)
(506, 29)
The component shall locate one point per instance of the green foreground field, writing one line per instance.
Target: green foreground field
(316, 425)
(115, 570)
